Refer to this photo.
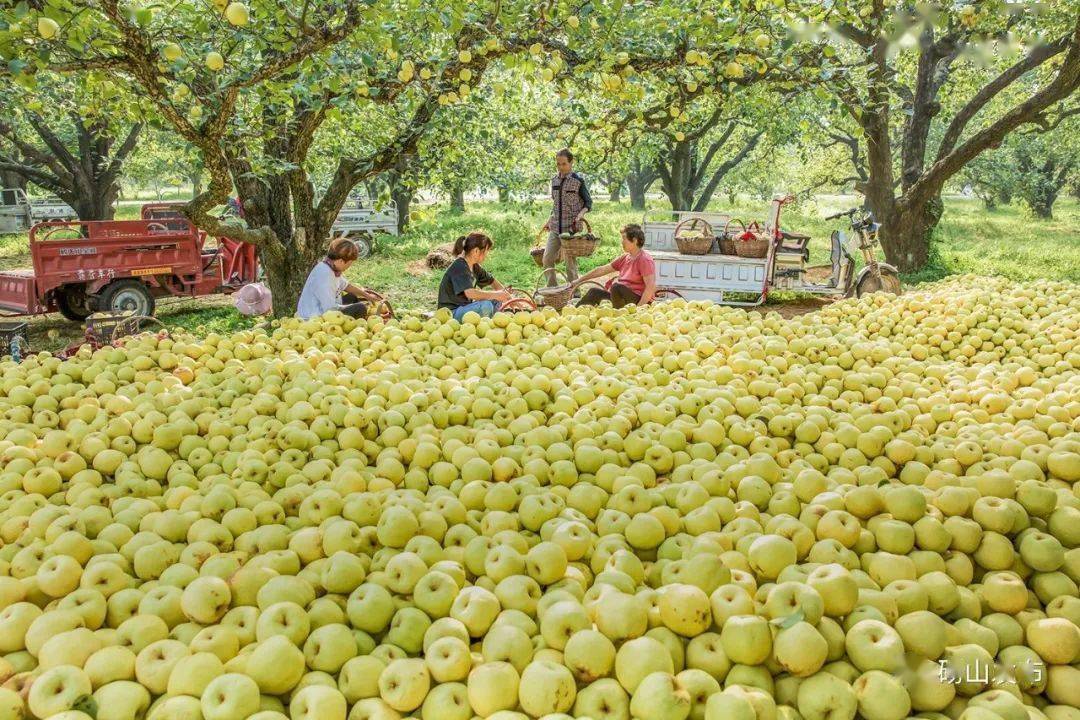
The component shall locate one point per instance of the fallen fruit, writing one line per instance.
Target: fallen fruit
(675, 511)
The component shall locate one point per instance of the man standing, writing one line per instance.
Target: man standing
(570, 201)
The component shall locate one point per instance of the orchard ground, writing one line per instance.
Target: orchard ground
(1005, 242)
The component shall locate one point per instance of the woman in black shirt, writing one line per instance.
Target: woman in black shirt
(461, 287)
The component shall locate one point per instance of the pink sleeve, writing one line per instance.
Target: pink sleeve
(647, 266)
(618, 262)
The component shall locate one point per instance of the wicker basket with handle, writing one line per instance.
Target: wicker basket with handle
(554, 297)
(727, 239)
(694, 236)
(753, 243)
(581, 244)
(537, 253)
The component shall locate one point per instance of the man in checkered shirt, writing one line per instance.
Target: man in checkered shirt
(570, 201)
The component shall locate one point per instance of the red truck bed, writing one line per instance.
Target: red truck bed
(18, 293)
(76, 262)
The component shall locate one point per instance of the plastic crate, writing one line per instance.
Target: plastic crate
(102, 325)
(14, 338)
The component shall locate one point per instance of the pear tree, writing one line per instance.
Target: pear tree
(930, 87)
(251, 88)
(69, 141)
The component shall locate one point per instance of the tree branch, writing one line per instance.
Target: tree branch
(121, 154)
(988, 92)
(711, 153)
(59, 150)
(33, 174)
(30, 152)
(1064, 83)
(724, 169)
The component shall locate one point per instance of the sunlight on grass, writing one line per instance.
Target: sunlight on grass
(1006, 242)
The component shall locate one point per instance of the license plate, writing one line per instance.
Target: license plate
(152, 271)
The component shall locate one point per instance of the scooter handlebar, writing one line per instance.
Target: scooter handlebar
(843, 213)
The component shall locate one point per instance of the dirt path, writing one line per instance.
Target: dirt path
(802, 306)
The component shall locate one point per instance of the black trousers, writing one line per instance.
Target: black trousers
(352, 306)
(620, 295)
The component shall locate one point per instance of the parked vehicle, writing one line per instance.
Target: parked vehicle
(364, 225)
(733, 279)
(123, 265)
(19, 213)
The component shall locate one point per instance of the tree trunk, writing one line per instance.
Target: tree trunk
(638, 183)
(287, 269)
(1041, 204)
(403, 196)
(196, 182)
(504, 194)
(675, 172)
(906, 233)
(614, 186)
(10, 181)
(457, 200)
(732, 197)
(94, 203)
(680, 196)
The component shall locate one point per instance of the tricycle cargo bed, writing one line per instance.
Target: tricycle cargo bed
(713, 276)
(127, 248)
(365, 220)
(17, 292)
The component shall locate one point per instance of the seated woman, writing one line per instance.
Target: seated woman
(460, 290)
(326, 284)
(636, 282)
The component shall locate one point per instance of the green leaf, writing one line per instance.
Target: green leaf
(793, 619)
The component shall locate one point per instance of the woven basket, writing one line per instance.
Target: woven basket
(537, 253)
(581, 245)
(727, 239)
(753, 243)
(554, 297)
(694, 245)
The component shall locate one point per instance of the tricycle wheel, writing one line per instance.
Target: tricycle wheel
(364, 246)
(128, 296)
(73, 303)
(885, 281)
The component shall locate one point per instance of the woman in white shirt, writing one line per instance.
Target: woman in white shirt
(326, 283)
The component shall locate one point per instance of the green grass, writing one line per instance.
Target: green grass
(1006, 242)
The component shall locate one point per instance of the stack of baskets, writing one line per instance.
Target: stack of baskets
(581, 244)
(694, 236)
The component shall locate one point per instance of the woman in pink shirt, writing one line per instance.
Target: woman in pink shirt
(636, 282)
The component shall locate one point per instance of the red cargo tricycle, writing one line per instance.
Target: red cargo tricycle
(124, 265)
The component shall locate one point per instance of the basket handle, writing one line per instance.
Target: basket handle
(136, 321)
(381, 305)
(540, 237)
(585, 285)
(518, 303)
(588, 227)
(733, 220)
(545, 271)
(692, 221)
